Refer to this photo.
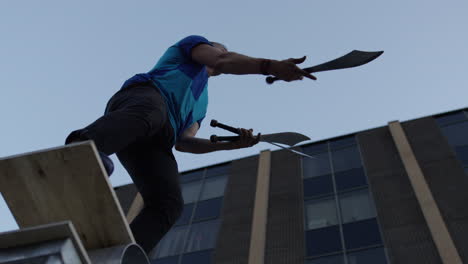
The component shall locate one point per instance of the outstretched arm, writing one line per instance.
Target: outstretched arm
(222, 61)
(189, 143)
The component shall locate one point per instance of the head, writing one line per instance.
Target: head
(211, 71)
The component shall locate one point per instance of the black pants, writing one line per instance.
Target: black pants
(135, 126)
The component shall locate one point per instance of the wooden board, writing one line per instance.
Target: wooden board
(65, 183)
(37, 234)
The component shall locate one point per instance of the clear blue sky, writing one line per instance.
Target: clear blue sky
(61, 60)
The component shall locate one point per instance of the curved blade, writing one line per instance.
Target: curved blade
(287, 138)
(292, 150)
(353, 59)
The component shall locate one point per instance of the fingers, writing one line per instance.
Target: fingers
(291, 72)
(247, 139)
(299, 60)
(308, 75)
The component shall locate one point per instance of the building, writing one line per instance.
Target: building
(392, 194)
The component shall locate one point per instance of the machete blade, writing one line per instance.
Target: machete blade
(286, 138)
(353, 59)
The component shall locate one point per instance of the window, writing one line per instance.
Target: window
(316, 148)
(172, 243)
(190, 191)
(323, 241)
(184, 219)
(202, 257)
(337, 175)
(350, 179)
(346, 159)
(191, 176)
(462, 154)
(202, 236)
(455, 128)
(193, 236)
(321, 213)
(457, 134)
(213, 187)
(374, 255)
(343, 142)
(356, 206)
(208, 209)
(217, 171)
(451, 118)
(334, 259)
(168, 260)
(318, 186)
(362, 234)
(318, 166)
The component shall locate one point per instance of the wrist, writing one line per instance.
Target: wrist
(265, 66)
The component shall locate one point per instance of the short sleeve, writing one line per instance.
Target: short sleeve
(187, 44)
(200, 121)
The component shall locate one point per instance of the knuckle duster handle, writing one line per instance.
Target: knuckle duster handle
(215, 123)
(271, 79)
(215, 138)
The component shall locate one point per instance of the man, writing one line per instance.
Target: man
(155, 111)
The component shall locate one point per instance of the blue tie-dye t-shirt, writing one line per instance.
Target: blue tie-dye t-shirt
(182, 82)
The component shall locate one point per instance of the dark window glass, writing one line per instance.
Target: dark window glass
(374, 255)
(169, 260)
(217, 171)
(208, 209)
(202, 257)
(321, 213)
(361, 234)
(451, 118)
(318, 166)
(323, 241)
(335, 259)
(346, 159)
(321, 185)
(457, 134)
(191, 191)
(350, 179)
(202, 236)
(213, 187)
(184, 218)
(172, 243)
(315, 149)
(191, 176)
(342, 142)
(356, 206)
(462, 154)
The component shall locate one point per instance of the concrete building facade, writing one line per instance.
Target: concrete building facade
(392, 194)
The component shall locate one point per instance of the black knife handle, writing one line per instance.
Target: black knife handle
(215, 138)
(215, 123)
(271, 79)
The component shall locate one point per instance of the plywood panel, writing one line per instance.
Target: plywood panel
(65, 183)
(37, 234)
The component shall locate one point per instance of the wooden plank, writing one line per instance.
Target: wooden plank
(37, 234)
(65, 183)
(431, 212)
(135, 208)
(259, 222)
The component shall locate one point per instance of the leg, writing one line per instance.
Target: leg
(131, 114)
(153, 169)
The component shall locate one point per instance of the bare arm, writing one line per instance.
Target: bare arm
(222, 61)
(189, 143)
